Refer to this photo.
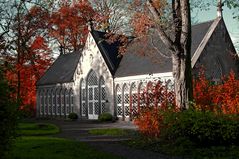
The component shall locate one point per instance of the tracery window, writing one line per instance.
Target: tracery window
(119, 101)
(54, 102)
(126, 100)
(83, 98)
(103, 95)
(134, 99)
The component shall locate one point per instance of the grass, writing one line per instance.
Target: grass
(36, 129)
(41, 147)
(112, 132)
(34, 144)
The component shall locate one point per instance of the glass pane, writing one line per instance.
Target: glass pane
(90, 93)
(96, 93)
(90, 108)
(96, 108)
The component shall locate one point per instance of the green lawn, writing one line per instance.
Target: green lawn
(34, 129)
(33, 143)
(40, 147)
(112, 132)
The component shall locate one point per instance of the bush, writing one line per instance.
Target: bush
(203, 128)
(105, 117)
(73, 116)
(8, 116)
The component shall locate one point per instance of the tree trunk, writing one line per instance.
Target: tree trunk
(182, 80)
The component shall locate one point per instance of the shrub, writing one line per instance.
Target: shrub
(203, 128)
(8, 116)
(73, 116)
(105, 117)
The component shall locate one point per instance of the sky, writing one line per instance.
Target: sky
(232, 24)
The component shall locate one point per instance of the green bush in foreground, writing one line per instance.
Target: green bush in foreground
(105, 117)
(73, 116)
(203, 128)
(8, 116)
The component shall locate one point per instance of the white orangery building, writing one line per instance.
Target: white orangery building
(96, 80)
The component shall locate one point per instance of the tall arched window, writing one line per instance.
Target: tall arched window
(83, 98)
(142, 92)
(41, 102)
(63, 101)
(119, 101)
(46, 102)
(103, 95)
(50, 102)
(150, 95)
(58, 101)
(71, 97)
(93, 95)
(134, 99)
(67, 102)
(54, 102)
(126, 100)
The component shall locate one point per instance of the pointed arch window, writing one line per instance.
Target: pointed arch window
(63, 101)
(41, 102)
(119, 101)
(54, 102)
(50, 102)
(46, 102)
(126, 100)
(134, 99)
(58, 101)
(142, 93)
(67, 101)
(103, 95)
(83, 98)
(71, 102)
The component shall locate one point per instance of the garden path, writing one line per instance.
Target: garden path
(78, 130)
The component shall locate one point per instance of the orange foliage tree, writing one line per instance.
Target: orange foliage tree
(220, 98)
(28, 54)
(155, 100)
(68, 24)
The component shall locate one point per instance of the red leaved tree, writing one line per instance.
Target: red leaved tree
(68, 25)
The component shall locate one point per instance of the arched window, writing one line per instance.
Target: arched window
(46, 102)
(134, 99)
(54, 102)
(142, 94)
(103, 95)
(126, 100)
(150, 95)
(58, 101)
(119, 101)
(71, 97)
(63, 101)
(50, 102)
(83, 98)
(93, 95)
(67, 102)
(42, 102)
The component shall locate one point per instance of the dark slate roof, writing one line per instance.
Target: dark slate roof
(153, 62)
(62, 70)
(108, 50)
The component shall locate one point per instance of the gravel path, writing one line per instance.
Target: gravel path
(78, 130)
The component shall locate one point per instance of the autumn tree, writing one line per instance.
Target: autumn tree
(68, 24)
(26, 54)
(158, 15)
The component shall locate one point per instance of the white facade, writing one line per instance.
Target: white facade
(94, 90)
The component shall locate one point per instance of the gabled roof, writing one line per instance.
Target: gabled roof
(62, 70)
(108, 50)
(153, 62)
